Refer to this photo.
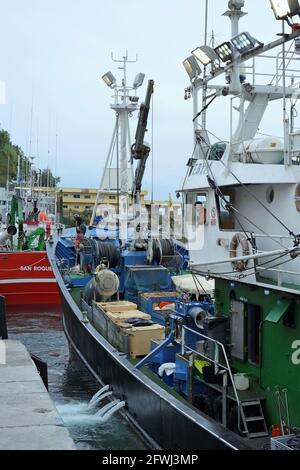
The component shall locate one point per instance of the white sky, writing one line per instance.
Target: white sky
(52, 53)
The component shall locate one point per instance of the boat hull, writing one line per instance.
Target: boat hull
(26, 278)
(165, 422)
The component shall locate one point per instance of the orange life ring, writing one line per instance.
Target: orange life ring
(237, 240)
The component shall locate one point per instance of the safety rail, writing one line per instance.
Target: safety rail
(278, 270)
(218, 365)
(259, 269)
(292, 73)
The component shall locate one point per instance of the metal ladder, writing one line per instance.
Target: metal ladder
(253, 419)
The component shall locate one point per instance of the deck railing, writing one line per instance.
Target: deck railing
(222, 367)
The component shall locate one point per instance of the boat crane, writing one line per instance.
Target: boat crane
(140, 150)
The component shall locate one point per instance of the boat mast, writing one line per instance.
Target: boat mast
(194, 92)
(204, 91)
(125, 104)
(235, 13)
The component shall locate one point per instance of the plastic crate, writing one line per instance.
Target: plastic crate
(281, 443)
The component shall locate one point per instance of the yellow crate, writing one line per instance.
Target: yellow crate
(123, 316)
(115, 307)
(139, 339)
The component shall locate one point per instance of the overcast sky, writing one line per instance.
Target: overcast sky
(53, 53)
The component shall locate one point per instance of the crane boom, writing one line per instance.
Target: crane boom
(140, 150)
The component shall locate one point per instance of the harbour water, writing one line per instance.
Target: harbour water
(70, 384)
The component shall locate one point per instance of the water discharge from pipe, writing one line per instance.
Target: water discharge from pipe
(82, 413)
(99, 399)
(98, 394)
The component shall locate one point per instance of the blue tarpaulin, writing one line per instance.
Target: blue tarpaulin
(146, 279)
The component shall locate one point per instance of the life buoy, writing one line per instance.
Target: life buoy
(239, 240)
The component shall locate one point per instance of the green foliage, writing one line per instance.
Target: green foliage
(9, 156)
(47, 179)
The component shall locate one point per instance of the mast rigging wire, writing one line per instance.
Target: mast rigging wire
(291, 233)
(221, 195)
(240, 275)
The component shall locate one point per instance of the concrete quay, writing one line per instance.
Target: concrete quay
(28, 417)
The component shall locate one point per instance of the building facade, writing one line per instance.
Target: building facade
(81, 201)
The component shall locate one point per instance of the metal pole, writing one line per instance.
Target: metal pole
(285, 117)
(235, 75)
(204, 92)
(195, 112)
(182, 341)
(224, 399)
(7, 182)
(190, 378)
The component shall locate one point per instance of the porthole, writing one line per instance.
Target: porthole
(270, 195)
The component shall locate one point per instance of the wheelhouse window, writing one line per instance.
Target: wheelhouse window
(226, 218)
(217, 151)
(197, 203)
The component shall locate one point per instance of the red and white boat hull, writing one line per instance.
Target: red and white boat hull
(26, 278)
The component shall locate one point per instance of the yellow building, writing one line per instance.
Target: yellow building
(82, 200)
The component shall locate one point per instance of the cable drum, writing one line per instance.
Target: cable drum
(106, 251)
(167, 247)
(160, 251)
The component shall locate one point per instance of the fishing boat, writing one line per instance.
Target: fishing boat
(26, 276)
(216, 370)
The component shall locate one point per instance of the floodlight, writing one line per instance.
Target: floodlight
(284, 8)
(244, 42)
(139, 80)
(109, 79)
(192, 67)
(205, 54)
(225, 51)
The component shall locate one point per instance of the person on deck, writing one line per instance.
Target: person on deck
(48, 229)
(79, 224)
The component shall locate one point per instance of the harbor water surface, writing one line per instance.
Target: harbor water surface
(70, 385)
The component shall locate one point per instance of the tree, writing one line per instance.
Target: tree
(47, 179)
(9, 157)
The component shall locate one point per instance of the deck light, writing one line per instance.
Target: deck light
(284, 8)
(139, 80)
(244, 42)
(109, 79)
(225, 51)
(205, 54)
(192, 67)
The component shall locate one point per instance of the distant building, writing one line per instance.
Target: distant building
(82, 200)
